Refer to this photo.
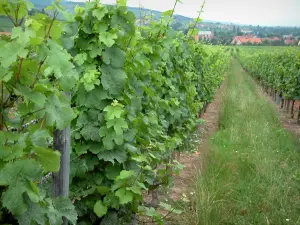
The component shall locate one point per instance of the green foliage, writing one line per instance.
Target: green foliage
(35, 73)
(136, 95)
(279, 70)
(252, 157)
(150, 83)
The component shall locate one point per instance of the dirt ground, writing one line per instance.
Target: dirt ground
(285, 118)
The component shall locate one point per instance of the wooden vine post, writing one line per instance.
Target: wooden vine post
(292, 109)
(1, 104)
(61, 179)
(288, 106)
(298, 118)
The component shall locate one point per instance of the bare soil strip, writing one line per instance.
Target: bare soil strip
(285, 118)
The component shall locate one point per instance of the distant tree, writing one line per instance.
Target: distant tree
(34, 11)
(239, 33)
(214, 41)
(278, 43)
(177, 26)
(185, 31)
(266, 42)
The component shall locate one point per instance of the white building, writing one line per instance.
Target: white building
(288, 36)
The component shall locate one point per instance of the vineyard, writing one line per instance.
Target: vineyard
(123, 97)
(278, 71)
(253, 174)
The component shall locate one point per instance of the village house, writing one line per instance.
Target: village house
(246, 31)
(290, 36)
(204, 35)
(290, 42)
(271, 39)
(240, 40)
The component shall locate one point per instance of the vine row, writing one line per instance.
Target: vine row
(136, 95)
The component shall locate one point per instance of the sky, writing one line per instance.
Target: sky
(255, 12)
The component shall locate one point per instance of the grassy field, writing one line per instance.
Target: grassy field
(257, 49)
(254, 171)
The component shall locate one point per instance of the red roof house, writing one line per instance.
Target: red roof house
(239, 40)
(290, 42)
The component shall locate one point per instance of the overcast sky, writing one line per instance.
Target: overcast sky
(256, 12)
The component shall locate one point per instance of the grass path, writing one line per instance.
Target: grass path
(254, 171)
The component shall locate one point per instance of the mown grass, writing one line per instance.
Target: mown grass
(254, 171)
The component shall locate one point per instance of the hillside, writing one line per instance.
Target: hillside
(6, 25)
(70, 5)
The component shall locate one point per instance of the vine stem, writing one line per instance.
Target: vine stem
(11, 19)
(201, 10)
(140, 13)
(51, 23)
(173, 10)
(38, 72)
(19, 69)
(2, 101)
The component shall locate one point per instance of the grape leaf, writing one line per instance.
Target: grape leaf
(61, 207)
(122, 2)
(100, 12)
(58, 63)
(119, 125)
(58, 111)
(96, 98)
(22, 37)
(124, 196)
(21, 170)
(40, 138)
(9, 53)
(5, 75)
(107, 38)
(90, 79)
(125, 174)
(113, 79)
(16, 175)
(38, 98)
(49, 159)
(108, 142)
(34, 214)
(112, 171)
(100, 209)
(113, 112)
(114, 56)
(80, 58)
(113, 155)
(110, 219)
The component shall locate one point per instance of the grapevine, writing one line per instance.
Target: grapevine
(136, 96)
(279, 71)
